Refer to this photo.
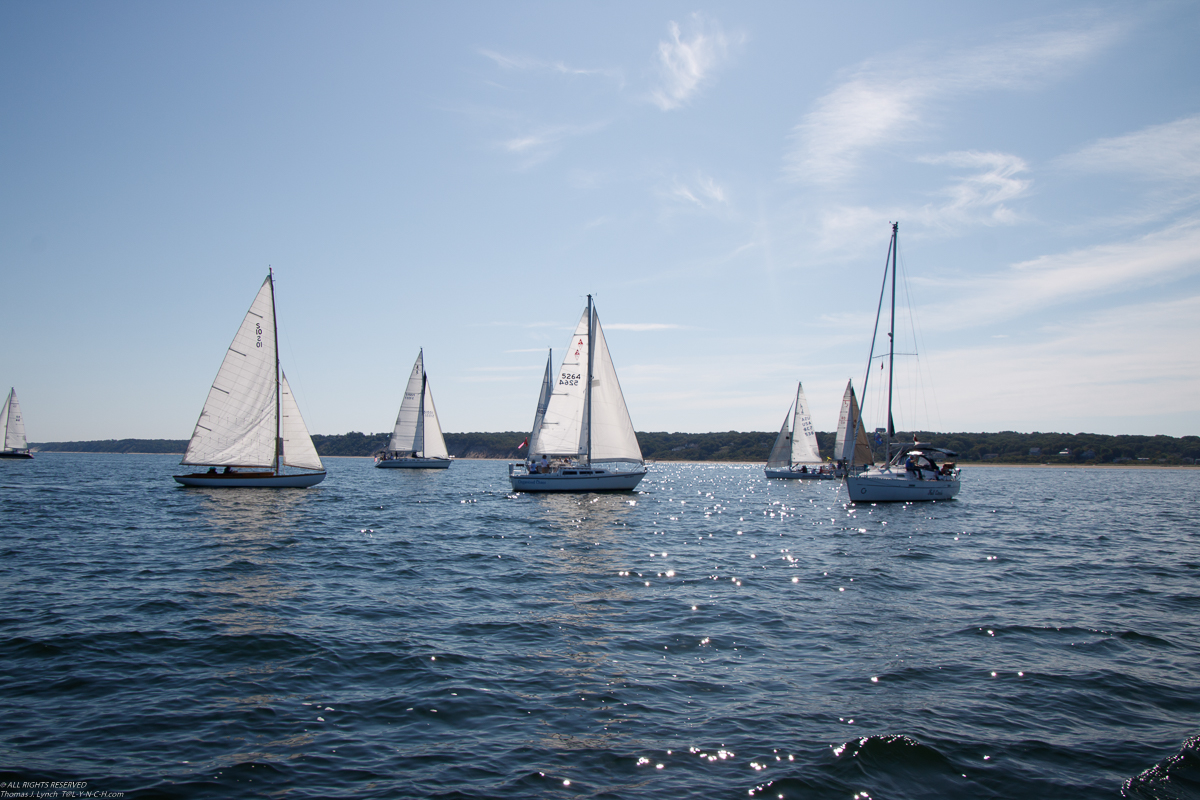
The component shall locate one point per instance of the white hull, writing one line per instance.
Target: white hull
(898, 487)
(251, 480)
(804, 476)
(583, 479)
(413, 463)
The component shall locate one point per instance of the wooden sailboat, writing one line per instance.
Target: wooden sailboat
(12, 429)
(250, 427)
(417, 441)
(583, 438)
(912, 473)
(795, 453)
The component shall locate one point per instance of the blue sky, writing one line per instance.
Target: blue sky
(720, 176)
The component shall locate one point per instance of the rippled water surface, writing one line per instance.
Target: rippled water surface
(712, 635)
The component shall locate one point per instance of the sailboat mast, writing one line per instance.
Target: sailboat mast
(275, 335)
(591, 361)
(421, 406)
(892, 343)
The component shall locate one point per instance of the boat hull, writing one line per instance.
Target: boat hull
(571, 481)
(15, 455)
(803, 476)
(251, 480)
(413, 463)
(898, 489)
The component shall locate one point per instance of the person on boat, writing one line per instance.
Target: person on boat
(545, 465)
(213, 470)
(804, 470)
(531, 467)
(227, 471)
(911, 466)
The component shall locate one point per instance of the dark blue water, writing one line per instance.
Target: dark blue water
(714, 635)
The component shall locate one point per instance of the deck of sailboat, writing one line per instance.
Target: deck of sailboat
(264, 480)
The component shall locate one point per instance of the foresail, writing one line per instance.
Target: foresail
(804, 436)
(435, 443)
(237, 426)
(850, 447)
(780, 451)
(613, 438)
(562, 424)
(543, 399)
(843, 432)
(13, 425)
(405, 436)
(862, 447)
(298, 450)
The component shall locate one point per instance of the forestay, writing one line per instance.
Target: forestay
(237, 426)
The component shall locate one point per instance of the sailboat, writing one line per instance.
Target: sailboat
(12, 429)
(795, 453)
(583, 439)
(417, 441)
(912, 473)
(250, 424)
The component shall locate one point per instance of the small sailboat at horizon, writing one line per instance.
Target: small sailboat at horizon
(582, 438)
(12, 429)
(250, 425)
(912, 473)
(795, 453)
(417, 441)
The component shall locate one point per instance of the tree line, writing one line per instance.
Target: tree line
(1005, 447)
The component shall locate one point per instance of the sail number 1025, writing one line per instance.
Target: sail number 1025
(566, 379)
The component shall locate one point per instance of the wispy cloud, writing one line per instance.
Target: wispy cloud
(980, 196)
(686, 60)
(520, 62)
(542, 143)
(703, 192)
(885, 102)
(1169, 152)
(641, 326)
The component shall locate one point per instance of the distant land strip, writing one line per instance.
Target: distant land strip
(1005, 447)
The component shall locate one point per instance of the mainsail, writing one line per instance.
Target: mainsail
(407, 434)
(849, 447)
(582, 420)
(804, 437)
(12, 425)
(238, 425)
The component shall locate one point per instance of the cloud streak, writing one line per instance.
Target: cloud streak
(1169, 152)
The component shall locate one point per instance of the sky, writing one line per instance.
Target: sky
(721, 177)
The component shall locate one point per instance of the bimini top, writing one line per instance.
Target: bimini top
(922, 449)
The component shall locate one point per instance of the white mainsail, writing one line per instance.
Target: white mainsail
(406, 436)
(12, 424)
(804, 437)
(563, 431)
(238, 426)
(782, 449)
(296, 445)
(854, 450)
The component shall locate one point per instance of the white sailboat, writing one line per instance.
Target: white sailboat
(250, 425)
(12, 429)
(417, 441)
(912, 474)
(583, 439)
(795, 453)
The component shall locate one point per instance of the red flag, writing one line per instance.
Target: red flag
(522, 444)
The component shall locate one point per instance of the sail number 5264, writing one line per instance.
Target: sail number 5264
(567, 379)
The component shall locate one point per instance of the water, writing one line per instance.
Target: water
(391, 634)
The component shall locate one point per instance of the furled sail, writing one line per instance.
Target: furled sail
(562, 432)
(612, 437)
(434, 443)
(781, 450)
(406, 438)
(237, 425)
(12, 424)
(804, 436)
(297, 445)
